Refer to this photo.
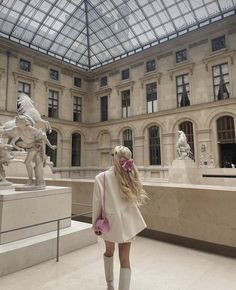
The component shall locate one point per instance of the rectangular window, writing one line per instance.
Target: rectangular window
(53, 104)
(125, 74)
(104, 108)
(181, 55)
(218, 43)
(151, 65)
(151, 91)
(103, 81)
(182, 89)
(221, 81)
(25, 65)
(77, 82)
(54, 74)
(125, 103)
(24, 88)
(77, 113)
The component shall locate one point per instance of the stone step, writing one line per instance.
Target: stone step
(18, 255)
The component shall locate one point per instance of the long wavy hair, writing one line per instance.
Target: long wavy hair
(129, 182)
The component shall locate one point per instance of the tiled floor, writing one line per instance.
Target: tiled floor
(155, 266)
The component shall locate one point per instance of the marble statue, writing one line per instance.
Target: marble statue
(26, 108)
(23, 135)
(33, 141)
(5, 158)
(182, 147)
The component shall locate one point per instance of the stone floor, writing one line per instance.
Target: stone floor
(156, 266)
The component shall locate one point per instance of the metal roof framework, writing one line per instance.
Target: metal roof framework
(92, 33)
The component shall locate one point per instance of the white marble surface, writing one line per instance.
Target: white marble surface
(24, 253)
(155, 266)
(24, 208)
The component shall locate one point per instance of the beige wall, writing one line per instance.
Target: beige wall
(99, 137)
(204, 213)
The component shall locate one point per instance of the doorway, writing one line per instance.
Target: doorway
(227, 155)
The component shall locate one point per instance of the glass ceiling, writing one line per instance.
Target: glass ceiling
(91, 33)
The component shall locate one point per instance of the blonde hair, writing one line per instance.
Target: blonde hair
(129, 182)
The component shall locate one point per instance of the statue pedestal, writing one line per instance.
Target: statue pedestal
(184, 171)
(23, 208)
(24, 248)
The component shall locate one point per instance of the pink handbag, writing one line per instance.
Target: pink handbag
(102, 223)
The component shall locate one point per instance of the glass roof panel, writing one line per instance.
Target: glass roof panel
(104, 30)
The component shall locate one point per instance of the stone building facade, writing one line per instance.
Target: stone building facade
(141, 101)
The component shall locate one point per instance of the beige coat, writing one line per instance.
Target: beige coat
(125, 219)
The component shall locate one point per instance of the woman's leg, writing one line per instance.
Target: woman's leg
(124, 251)
(110, 248)
(108, 264)
(125, 271)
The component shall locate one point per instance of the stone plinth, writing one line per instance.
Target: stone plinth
(184, 171)
(19, 209)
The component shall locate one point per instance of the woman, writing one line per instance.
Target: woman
(123, 194)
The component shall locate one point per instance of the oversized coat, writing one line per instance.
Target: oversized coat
(124, 218)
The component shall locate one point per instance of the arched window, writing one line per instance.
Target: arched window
(226, 141)
(128, 139)
(76, 150)
(187, 128)
(154, 146)
(52, 153)
(225, 129)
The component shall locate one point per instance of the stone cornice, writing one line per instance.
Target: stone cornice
(54, 85)
(27, 77)
(149, 76)
(123, 84)
(218, 55)
(74, 91)
(181, 67)
(104, 91)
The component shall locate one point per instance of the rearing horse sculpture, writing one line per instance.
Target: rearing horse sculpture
(182, 147)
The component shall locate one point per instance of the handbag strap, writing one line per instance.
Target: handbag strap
(103, 204)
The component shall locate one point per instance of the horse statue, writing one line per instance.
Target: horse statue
(25, 108)
(182, 147)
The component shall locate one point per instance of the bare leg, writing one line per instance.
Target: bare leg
(28, 165)
(108, 264)
(125, 271)
(124, 251)
(110, 248)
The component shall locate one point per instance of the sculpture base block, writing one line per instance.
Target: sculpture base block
(25, 253)
(26, 187)
(24, 208)
(184, 171)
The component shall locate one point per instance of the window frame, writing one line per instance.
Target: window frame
(55, 104)
(77, 109)
(125, 99)
(182, 85)
(104, 108)
(220, 75)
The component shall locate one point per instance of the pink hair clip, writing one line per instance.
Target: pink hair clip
(127, 164)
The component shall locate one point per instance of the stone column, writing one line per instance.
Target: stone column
(168, 149)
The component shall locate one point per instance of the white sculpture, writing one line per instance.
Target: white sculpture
(23, 135)
(5, 158)
(182, 147)
(33, 140)
(26, 108)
